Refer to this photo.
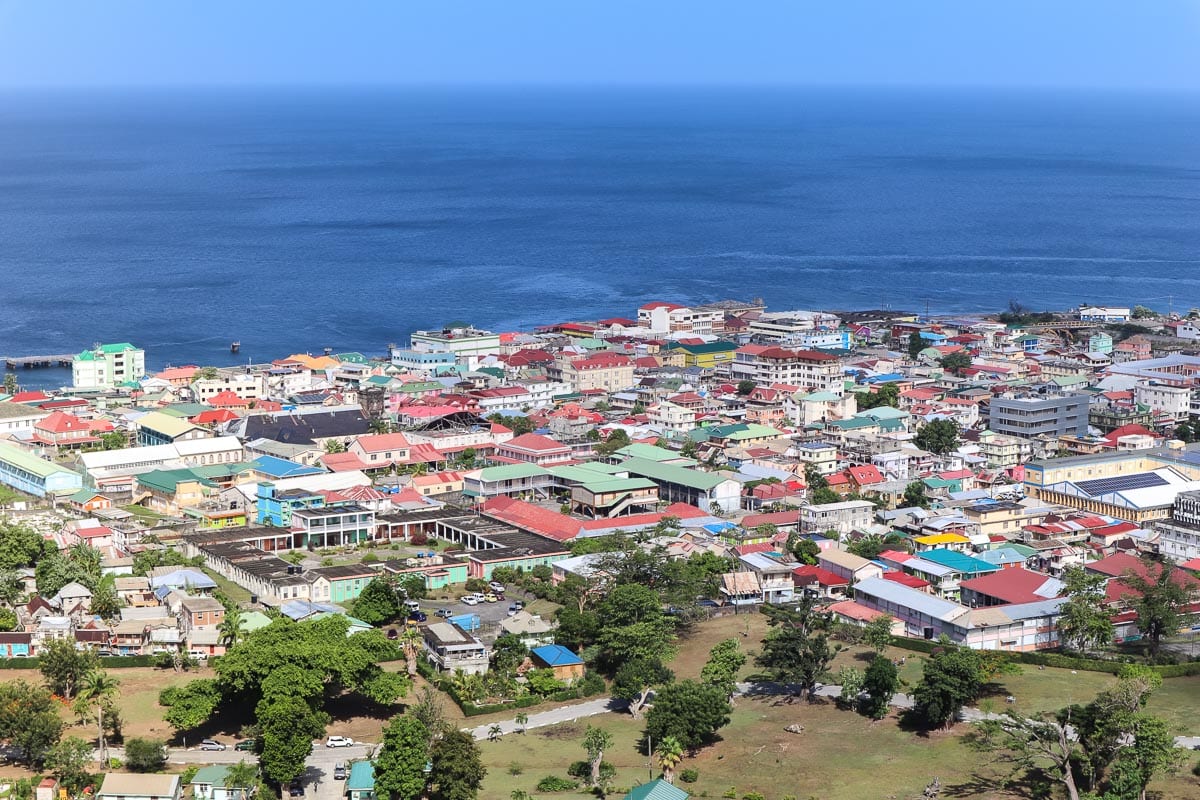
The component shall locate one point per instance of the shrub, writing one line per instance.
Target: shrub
(145, 755)
(515, 768)
(689, 775)
(730, 793)
(553, 783)
(753, 796)
(370, 558)
(591, 683)
(583, 771)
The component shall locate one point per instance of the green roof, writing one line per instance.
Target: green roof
(853, 423)
(185, 409)
(215, 775)
(648, 451)
(883, 412)
(253, 620)
(165, 480)
(701, 349)
(657, 789)
(351, 358)
(120, 347)
(362, 777)
(511, 472)
(584, 473)
(31, 463)
(83, 495)
(670, 473)
(421, 386)
(743, 431)
(820, 397)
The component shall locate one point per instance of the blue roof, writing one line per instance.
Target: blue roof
(184, 578)
(555, 655)
(281, 467)
(959, 562)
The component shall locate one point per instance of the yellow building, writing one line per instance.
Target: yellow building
(709, 355)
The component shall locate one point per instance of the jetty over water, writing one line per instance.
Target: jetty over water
(29, 362)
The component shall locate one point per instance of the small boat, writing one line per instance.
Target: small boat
(233, 348)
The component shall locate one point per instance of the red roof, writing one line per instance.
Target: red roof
(382, 442)
(865, 474)
(1128, 430)
(795, 355)
(93, 533)
(228, 398)
(534, 519)
(213, 416)
(896, 556)
(654, 305)
(535, 442)
(805, 575)
(683, 511)
(342, 462)
(30, 397)
(855, 610)
(1017, 585)
(60, 422)
(904, 579)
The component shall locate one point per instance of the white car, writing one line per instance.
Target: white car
(471, 600)
(339, 741)
(497, 587)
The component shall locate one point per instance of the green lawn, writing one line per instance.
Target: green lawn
(228, 588)
(143, 512)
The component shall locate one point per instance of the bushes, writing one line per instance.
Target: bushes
(583, 771)
(553, 783)
(111, 662)
(145, 755)
(587, 686)
(689, 775)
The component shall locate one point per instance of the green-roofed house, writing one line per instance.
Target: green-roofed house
(212, 783)
(652, 452)
(107, 366)
(168, 491)
(741, 434)
(360, 784)
(36, 476)
(511, 480)
(657, 789)
(676, 484)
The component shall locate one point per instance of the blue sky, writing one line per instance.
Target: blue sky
(1127, 44)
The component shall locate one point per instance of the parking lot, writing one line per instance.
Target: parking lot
(489, 614)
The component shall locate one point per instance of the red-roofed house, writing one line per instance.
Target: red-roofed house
(62, 430)
(381, 450)
(214, 416)
(1008, 586)
(819, 582)
(228, 398)
(865, 476)
(342, 462)
(533, 448)
(911, 581)
(531, 518)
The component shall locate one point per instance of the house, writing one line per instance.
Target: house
(533, 448)
(657, 789)
(16, 644)
(847, 565)
(339, 584)
(119, 786)
(565, 664)
(198, 613)
(212, 783)
(774, 577)
(531, 629)
(842, 517)
(360, 784)
(61, 430)
(450, 649)
(160, 428)
(86, 501)
(71, 597)
(108, 366)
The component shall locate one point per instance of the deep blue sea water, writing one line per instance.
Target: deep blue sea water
(295, 220)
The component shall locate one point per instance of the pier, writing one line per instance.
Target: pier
(29, 362)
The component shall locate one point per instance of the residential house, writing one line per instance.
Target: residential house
(212, 783)
(847, 565)
(450, 649)
(135, 786)
(360, 784)
(842, 517)
(566, 665)
(531, 629)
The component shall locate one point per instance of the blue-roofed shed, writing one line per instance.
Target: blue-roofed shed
(567, 665)
(275, 468)
(657, 789)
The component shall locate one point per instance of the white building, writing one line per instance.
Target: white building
(246, 385)
(466, 341)
(108, 366)
(1105, 313)
(1174, 401)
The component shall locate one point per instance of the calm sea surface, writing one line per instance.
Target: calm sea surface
(296, 220)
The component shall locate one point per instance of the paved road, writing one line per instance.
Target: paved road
(554, 716)
(319, 783)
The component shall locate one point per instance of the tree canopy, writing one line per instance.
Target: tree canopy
(689, 711)
(1084, 623)
(400, 764)
(939, 436)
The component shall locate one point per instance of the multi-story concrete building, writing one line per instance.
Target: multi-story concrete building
(809, 370)
(107, 366)
(466, 341)
(608, 372)
(1179, 536)
(672, 318)
(246, 385)
(1037, 415)
(841, 517)
(1174, 401)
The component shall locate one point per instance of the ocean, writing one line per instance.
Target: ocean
(293, 220)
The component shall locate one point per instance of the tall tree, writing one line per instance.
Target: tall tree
(97, 690)
(379, 602)
(797, 650)
(458, 769)
(229, 632)
(881, 682)
(725, 660)
(242, 776)
(1083, 623)
(68, 761)
(634, 680)
(1161, 598)
(145, 755)
(1151, 752)
(952, 678)
(1041, 743)
(29, 720)
(939, 436)
(20, 546)
(64, 666)
(669, 754)
(877, 634)
(595, 742)
(956, 362)
(400, 763)
(690, 712)
(289, 725)
(915, 344)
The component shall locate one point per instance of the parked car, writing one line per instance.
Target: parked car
(445, 613)
(392, 633)
(418, 616)
(471, 600)
(245, 745)
(296, 789)
(515, 607)
(339, 741)
(339, 771)
(491, 598)
(211, 744)
(497, 587)
(412, 605)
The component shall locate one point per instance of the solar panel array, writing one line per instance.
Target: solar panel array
(1142, 480)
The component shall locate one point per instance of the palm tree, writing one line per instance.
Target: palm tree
(494, 732)
(410, 639)
(97, 689)
(670, 753)
(230, 629)
(522, 720)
